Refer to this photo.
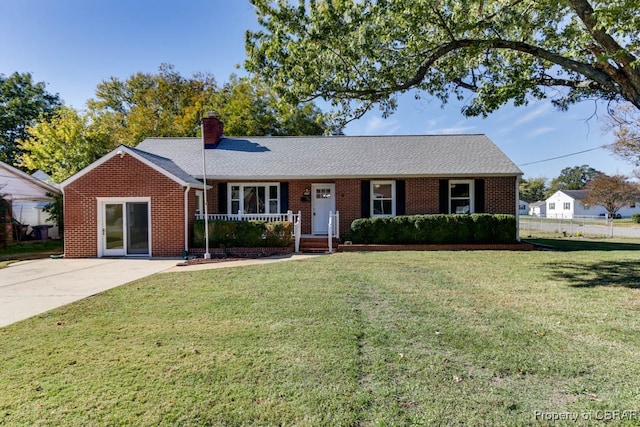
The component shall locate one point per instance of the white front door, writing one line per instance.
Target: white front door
(323, 201)
(123, 228)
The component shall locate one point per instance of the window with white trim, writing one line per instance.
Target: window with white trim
(254, 198)
(552, 206)
(567, 206)
(461, 196)
(383, 198)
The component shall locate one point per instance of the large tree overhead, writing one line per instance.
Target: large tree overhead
(362, 53)
(22, 103)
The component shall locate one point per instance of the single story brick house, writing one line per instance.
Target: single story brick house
(143, 201)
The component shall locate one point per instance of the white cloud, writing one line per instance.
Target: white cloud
(518, 117)
(541, 109)
(456, 128)
(379, 126)
(540, 131)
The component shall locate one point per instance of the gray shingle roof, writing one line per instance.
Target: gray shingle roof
(168, 165)
(576, 194)
(336, 156)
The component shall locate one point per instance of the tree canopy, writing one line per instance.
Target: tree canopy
(533, 189)
(64, 144)
(572, 178)
(250, 108)
(23, 102)
(150, 105)
(158, 105)
(612, 192)
(364, 53)
(624, 122)
(168, 104)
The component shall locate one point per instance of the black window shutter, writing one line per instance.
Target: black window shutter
(401, 198)
(222, 197)
(284, 197)
(479, 196)
(444, 196)
(365, 199)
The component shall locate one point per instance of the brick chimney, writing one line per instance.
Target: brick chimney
(212, 129)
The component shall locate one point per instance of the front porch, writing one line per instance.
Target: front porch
(325, 242)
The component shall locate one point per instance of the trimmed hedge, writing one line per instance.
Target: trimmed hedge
(434, 229)
(636, 217)
(247, 234)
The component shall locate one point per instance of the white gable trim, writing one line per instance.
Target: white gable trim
(125, 151)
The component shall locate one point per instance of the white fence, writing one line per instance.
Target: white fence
(586, 225)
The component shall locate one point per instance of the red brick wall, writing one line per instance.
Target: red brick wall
(124, 177)
(500, 195)
(422, 196)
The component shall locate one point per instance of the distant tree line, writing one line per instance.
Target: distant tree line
(612, 192)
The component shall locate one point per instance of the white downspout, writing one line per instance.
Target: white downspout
(518, 208)
(186, 218)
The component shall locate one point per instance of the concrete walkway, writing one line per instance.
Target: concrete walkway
(29, 288)
(241, 262)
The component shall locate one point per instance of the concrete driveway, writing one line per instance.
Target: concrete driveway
(29, 288)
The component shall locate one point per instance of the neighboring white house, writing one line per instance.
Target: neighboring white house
(523, 207)
(538, 208)
(568, 204)
(28, 197)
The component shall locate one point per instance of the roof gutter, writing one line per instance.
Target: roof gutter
(186, 218)
(254, 178)
(518, 209)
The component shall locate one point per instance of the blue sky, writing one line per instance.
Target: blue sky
(73, 45)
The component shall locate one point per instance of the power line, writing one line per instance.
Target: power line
(566, 155)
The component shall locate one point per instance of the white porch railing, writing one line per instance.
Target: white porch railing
(289, 216)
(297, 233)
(294, 218)
(334, 221)
(333, 229)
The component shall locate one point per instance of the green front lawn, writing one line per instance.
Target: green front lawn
(405, 338)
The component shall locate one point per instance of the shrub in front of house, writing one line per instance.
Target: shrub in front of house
(636, 217)
(278, 234)
(247, 234)
(434, 229)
